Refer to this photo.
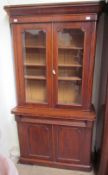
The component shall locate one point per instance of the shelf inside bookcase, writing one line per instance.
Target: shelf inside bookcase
(28, 64)
(35, 47)
(42, 65)
(70, 48)
(70, 65)
(34, 77)
(69, 79)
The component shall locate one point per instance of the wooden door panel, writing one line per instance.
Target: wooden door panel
(68, 140)
(73, 144)
(38, 139)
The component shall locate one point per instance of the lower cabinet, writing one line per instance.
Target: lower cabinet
(56, 143)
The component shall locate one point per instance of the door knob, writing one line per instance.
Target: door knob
(53, 72)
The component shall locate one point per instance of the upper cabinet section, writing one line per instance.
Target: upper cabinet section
(54, 48)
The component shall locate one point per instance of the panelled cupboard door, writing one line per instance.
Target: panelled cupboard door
(68, 143)
(33, 46)
(71, 63)
(36, 140)
(73, 144)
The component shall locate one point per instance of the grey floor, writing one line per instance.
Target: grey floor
(40, 170)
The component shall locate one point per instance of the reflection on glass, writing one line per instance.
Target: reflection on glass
(70, 62)
(34, 51)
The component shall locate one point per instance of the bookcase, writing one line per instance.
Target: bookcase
(54, 49)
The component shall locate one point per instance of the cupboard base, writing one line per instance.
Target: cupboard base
(57, 143)
(72, 166)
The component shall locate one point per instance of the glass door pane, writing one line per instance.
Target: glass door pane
(34, 42)
(70, 62)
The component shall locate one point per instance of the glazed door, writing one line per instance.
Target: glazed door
(35, 63)
(71, 63)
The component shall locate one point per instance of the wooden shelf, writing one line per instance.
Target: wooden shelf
(34, 64)
(35, 46)
(60, 78)
(70, 65)
(33, 77)
(70, 48)
(60, 65)
(70, 78)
